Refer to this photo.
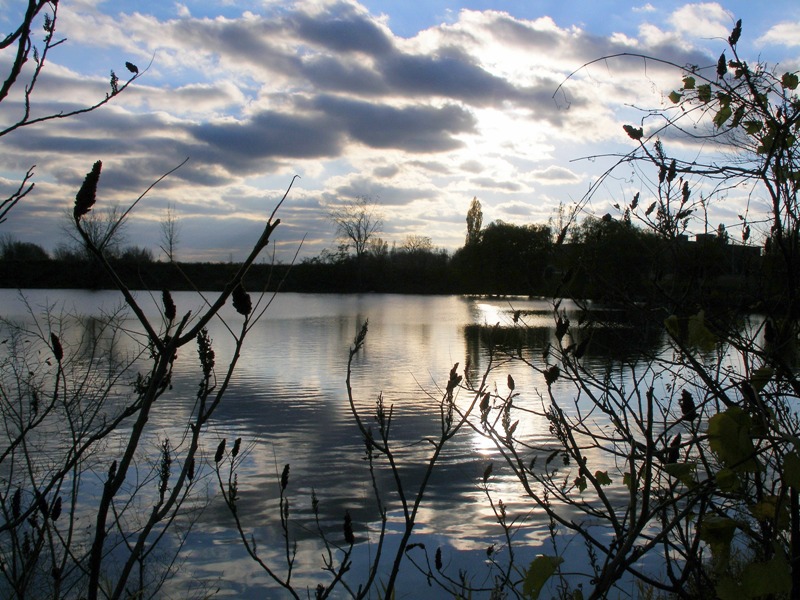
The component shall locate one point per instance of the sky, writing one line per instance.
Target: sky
(418, 106)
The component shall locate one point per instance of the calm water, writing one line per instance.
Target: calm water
(289, 405)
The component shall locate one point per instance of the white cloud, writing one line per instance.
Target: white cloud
(327, 90)
(785, 34)
(707, 19)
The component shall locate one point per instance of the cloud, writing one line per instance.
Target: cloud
(785, 34)
(341, 28)
(555, 175)
(422, 129)
(327, 90)
(707, 19)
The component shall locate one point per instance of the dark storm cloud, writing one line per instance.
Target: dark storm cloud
(414, 129)
(340, 28)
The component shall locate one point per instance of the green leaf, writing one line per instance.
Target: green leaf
(699, 335)
(602, 477)
(723, 114)
(688, 82)
(753, 127)
(691, 331)
(791, 470)
(580, 483)
(540, 570)
(717, 532)
(704, 93)
(737, 116)
(675, 97)
(627, 480)
(635, 133)
(683, 472)
(790, 81)
(758, 580)
(760, 378)
(727, 480)
(729, 438)
(770, 509)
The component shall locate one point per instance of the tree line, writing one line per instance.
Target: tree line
(599, 258)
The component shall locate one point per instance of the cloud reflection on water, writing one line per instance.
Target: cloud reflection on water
(288, 403)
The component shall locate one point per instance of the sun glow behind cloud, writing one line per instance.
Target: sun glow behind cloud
(464, 104)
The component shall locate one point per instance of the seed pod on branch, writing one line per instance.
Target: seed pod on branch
(85, 198)
(349, 537)
(241, 300)
(58, 351)
(220, 451)
(285, 477)
(169, 305)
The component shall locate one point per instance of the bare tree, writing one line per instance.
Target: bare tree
(357, 221)
(170, 232)
(21, 43)
(104, 228)
(417, 243)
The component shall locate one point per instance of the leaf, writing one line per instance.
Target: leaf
(551, 375)
(683, 472)
(768, 510)
(727, 480)
(729, 438)
(791, 470)
(602, 477)
(704, 93)
(699, 335)
(627, 481)
(635, 133)
(753, 127)
(675, 97)
(688, 82)
(717, 532)
(540, 570)
(510, 382)
(737, 116)
(650, 209)
(761, 378)
(723, 114)
(790, 81)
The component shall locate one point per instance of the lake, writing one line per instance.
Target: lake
(288, 403)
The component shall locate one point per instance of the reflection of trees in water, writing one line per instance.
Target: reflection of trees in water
(616, 336)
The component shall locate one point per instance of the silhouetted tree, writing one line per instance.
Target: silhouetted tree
(170, 232)
(356, 221)
(474, 222)
(12, 249)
